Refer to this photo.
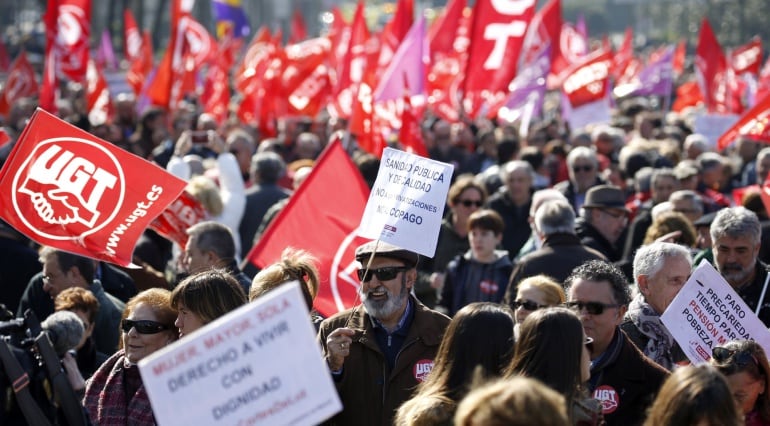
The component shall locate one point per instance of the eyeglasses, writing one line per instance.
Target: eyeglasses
(615, 214)
(527, 305)
(593, 308)
(143, 326)
(469, 203)
(589, 343)
(725, 356)
(578, 169)
(383, 274)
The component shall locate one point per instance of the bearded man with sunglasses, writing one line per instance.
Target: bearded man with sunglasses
(622, 377)
(378, 352)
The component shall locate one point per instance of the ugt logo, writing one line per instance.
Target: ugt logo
(74, 186)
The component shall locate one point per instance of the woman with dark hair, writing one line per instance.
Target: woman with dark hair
(694, 396)
(744, 364)
(552, 348)
(115, 393)
(204, 297)
(477, 342)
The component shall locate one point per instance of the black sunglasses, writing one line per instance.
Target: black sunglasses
(725, 356)
(469, 203)
(383, 274)
(578, 169)
(143, 326)
(527, 304)
(593, 308)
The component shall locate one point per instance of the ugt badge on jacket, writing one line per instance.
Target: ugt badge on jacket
(68, 189)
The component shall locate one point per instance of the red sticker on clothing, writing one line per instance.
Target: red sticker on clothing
(608, 397)
(422, 368)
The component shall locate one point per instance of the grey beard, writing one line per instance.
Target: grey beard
(385, 308)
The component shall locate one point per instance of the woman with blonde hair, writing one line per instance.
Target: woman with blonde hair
(534, 293)
(294, 265)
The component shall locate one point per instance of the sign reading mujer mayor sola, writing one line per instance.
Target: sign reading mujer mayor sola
(259, 364)
(707, 313)
(63, 187)
(406, 204)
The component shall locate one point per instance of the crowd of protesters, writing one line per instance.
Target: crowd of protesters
(604, 221)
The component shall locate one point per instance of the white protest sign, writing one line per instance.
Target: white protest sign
(707, 313)
(259, 364)
(406, 205)
(712, 126)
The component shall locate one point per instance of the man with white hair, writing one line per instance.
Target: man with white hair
(561, 252)
(735, 237)
(660, 271)
(583, 169)
(538, 199)
(695, 145)
(762, 165)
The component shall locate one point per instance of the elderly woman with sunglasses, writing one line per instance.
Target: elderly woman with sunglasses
(534, 293)
(745, 365)
(115, 393)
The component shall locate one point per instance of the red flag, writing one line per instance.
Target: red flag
(711, 70)
(201, 45)
(544, 29)
(687, 95)
(164, 89)
(339, 36)
(443, 31)
(142, 66)
(20, 83)
(181, 214)
(497, 35)
(305, 81)
(132, 36)
(67, 29)
(393, 35)
(755, 124)
(447, 72)
(298, 30)
(679, 55)
(572, 50)
(352, 67)
(624, 55)
(331, 202)
(588, 81)
(5, 60)
(65, 188)
(216, 93)
(100, 110)
(747, 58)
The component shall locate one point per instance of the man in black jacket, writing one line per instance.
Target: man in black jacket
(622, 378)
(604, 221)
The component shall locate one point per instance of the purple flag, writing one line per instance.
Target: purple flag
(410, 59)
(105, 55)
(527, 90)
(656, 78)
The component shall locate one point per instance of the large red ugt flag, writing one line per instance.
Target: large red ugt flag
(65, 188)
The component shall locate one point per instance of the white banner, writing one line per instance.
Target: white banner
(707, 313)
(406, 205)
(259, 364)
(712, 126)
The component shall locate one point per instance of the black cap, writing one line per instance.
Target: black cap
(383, 249)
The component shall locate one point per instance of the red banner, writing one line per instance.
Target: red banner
(497, 35)
(183, 213)
(68, 28)
(755, 124)
(132, 36)
(65, 188)
(711, 69)
(100, 109)
(330, 203)
(588, 82)
(747, 58)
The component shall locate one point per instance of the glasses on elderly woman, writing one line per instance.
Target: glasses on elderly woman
(143, 326)
(728, 356)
